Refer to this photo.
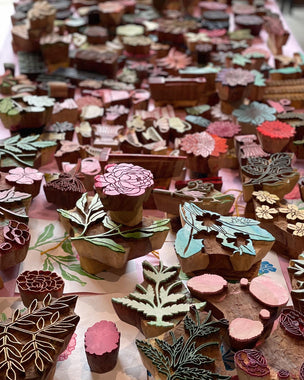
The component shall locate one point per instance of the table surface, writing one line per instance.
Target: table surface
(94, 303)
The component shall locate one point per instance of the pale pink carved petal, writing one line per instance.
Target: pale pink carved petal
(244, 329)
(268, 292)
(102, 337)
(207, 284)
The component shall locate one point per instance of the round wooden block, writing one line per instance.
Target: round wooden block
(207, 284)
(268, 292)
(244, 332)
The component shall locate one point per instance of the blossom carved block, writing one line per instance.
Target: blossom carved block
(15, 205)
(106, 244)
(26, 179)
(188, 351)
(226, 245)
(32, 342)
(284, 221)
(274, 175)
(251, 308)
(157, 304)
(15, 241)
(202, 194)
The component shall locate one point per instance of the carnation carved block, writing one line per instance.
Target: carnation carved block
(251, 308)
(106, 244)
(202, 194)
(226, 245)
(157, 304)
(37, 284)
(32, 342)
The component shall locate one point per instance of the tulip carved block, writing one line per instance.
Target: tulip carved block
(31, 343)
(202, 194)
(284, 221)
(108, 244)
(158, 304)
(189, 351)
(226, 245)
(251, 308)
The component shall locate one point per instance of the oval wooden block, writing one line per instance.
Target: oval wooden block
(207, 284)
(268, 292)
(244, 332)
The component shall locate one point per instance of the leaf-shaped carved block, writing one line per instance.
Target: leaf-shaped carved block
(188, 351)
(31, 343)
(275, 175)
(230, 246)
(156, 305)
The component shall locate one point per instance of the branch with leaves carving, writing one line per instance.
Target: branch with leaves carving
(183, 359)
(87, 214)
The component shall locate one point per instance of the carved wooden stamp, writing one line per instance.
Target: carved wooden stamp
(296, 275)
(229, 246)
(108, 245)
(158, 304)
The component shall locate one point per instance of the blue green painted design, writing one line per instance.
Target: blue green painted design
(228, 229)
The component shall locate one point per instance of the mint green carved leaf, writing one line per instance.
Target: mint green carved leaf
(105, 242)
(108, 223)
(73, 216)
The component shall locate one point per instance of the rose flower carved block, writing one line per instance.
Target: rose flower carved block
(32, 342)
(123, 189)
(157, 304)
(104, 244)
(226, 245)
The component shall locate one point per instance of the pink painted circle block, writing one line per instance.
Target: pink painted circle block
(244, 329)
(207, 284)
(268, 292)
(102, 337)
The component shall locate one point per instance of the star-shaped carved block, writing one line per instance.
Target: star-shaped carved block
(31, 343)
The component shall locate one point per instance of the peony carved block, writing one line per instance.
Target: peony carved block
(122, 189)
(226, 245)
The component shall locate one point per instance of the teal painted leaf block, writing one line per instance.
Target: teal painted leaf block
(255, 113)
(199, 224)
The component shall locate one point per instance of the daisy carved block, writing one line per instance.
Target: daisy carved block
(275, 135)
(32, 342)
(250, 307)
(157, 304)
(226, 245)
(274, 175)
(284, 221)
(104, 244)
